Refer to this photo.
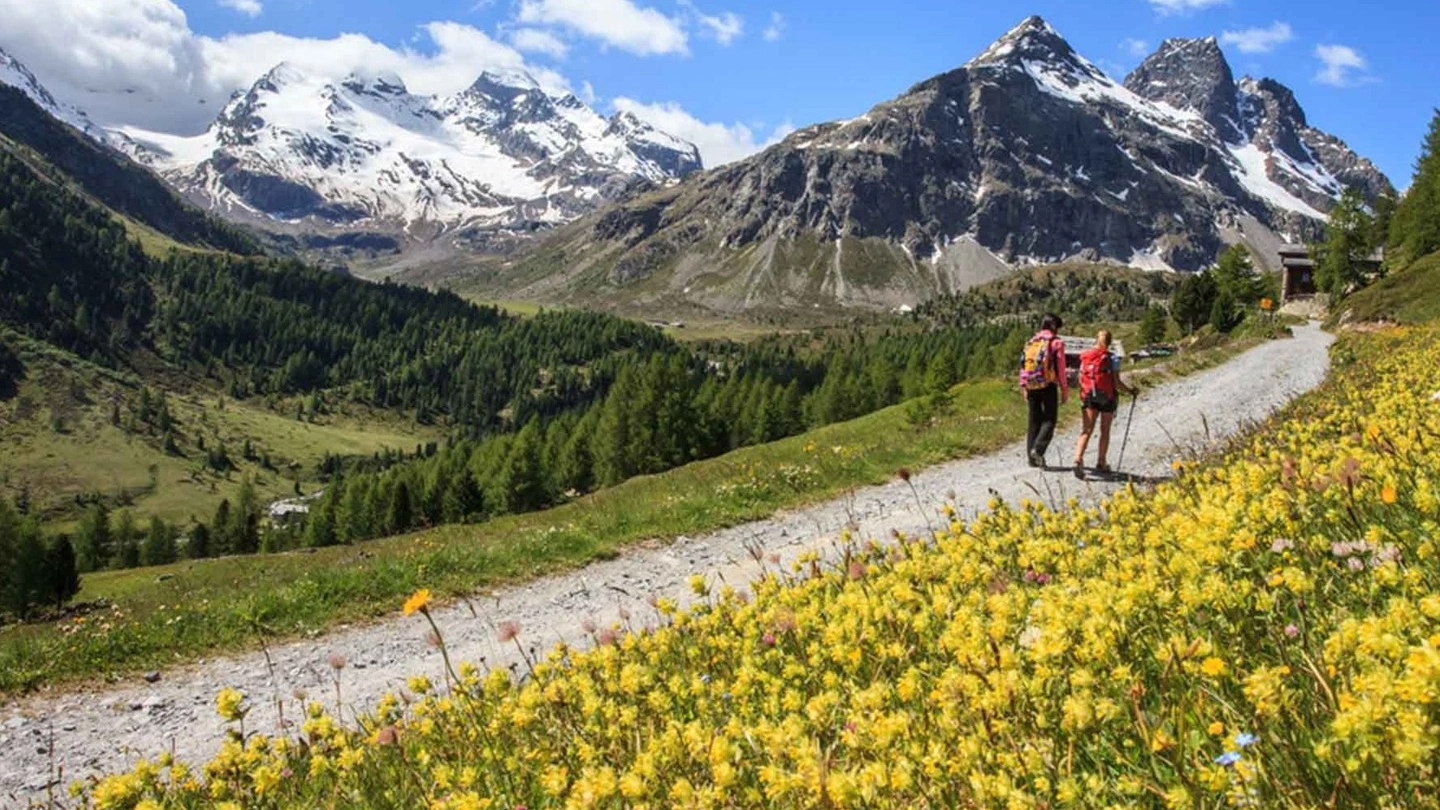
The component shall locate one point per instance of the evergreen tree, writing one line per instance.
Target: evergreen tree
(159, 545)
(1235, 276)
(1222, 313)
(1415, 227)
(1152, 328)
(400, 515)
(94, 540)
(200, 545)
(247, 521)
(222, 529)
(519, 486)
(1347, 243)
(127, 542)
(63, 576)
(28, 577)
(1194, 301)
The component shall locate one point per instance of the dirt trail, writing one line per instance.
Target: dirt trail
(108, 730)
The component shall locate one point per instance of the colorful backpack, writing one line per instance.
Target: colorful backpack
(1097, 376)
(1039, 367)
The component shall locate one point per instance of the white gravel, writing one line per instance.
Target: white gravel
(103, 731)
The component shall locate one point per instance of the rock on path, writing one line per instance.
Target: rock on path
(105, 731)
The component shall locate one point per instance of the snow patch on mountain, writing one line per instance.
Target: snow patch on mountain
(505, 152)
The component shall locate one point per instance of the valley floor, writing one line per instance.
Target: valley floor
(104, 731)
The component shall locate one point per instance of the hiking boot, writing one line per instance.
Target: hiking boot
(1080, 471)
(1036, 460)
(1103, 469)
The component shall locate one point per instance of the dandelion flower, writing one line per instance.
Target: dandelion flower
(1213, 667)
(1389, 495)
(420, 600)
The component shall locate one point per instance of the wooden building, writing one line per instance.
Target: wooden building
(1297, 274)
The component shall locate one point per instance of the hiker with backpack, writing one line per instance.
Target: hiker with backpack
(1100, 389)
(1044, 383)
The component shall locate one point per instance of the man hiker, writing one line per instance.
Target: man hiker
(1100, 389)
(1043, 381)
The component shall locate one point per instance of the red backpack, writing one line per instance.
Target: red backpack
(1097, 374)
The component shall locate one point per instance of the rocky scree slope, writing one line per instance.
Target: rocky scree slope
(1027, 154)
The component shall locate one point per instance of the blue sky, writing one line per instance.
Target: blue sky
(729, 74)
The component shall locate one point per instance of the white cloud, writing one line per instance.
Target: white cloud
(536, 40)
(137, 63)
(617, 23)
(718, 143)
(1259, 40)
(725, 28)
(1184, 6)
(776, 29)
(1340, 66)
(1135, 47)
(250, 8)
(587, 93)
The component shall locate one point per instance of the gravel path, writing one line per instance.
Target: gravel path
(104, 731)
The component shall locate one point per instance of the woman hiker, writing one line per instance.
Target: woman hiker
(1100, 389)
(1043, 381)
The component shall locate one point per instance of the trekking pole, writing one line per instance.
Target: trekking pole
(1129, 419)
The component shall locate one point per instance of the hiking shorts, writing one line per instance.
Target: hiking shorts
(1099, 403)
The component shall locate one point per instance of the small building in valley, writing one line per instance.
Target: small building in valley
(1297, 274)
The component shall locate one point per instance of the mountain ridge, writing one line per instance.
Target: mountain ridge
(1026, 154)
(504, 153)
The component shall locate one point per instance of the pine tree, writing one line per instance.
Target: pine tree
(1194, 301)
(64, 577)
(1415, 228)
(159, 545)
(1152, 327)
(1235, 276)
(200, 545)
(1347, 243)
(94, 539)
(127, 546)
(222, 529)
(519, 486)
(29, 579)
(400, 516)
(247, 521)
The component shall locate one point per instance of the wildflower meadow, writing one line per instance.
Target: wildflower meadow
(1261, 631)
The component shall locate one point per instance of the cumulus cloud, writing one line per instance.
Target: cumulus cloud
(615, 23)
(1340, 66)
(1183, 6)
(1259, 40)
(536, 40)
(719, 143)
(776, 29)
(250, 8)
(137, 63)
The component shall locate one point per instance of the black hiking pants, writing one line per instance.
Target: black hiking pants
(1044, 411)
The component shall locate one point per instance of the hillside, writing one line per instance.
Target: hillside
(1027, 154)
(59, 152)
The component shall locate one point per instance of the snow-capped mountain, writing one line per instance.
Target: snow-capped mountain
(1279, 157)
(1028, 153)
(504, 153)
(15, 74)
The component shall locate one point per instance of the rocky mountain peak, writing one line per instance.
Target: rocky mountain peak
(1033, 40)
(1277, 95)
(380, 84)
(1191, 74)
(504, 85)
